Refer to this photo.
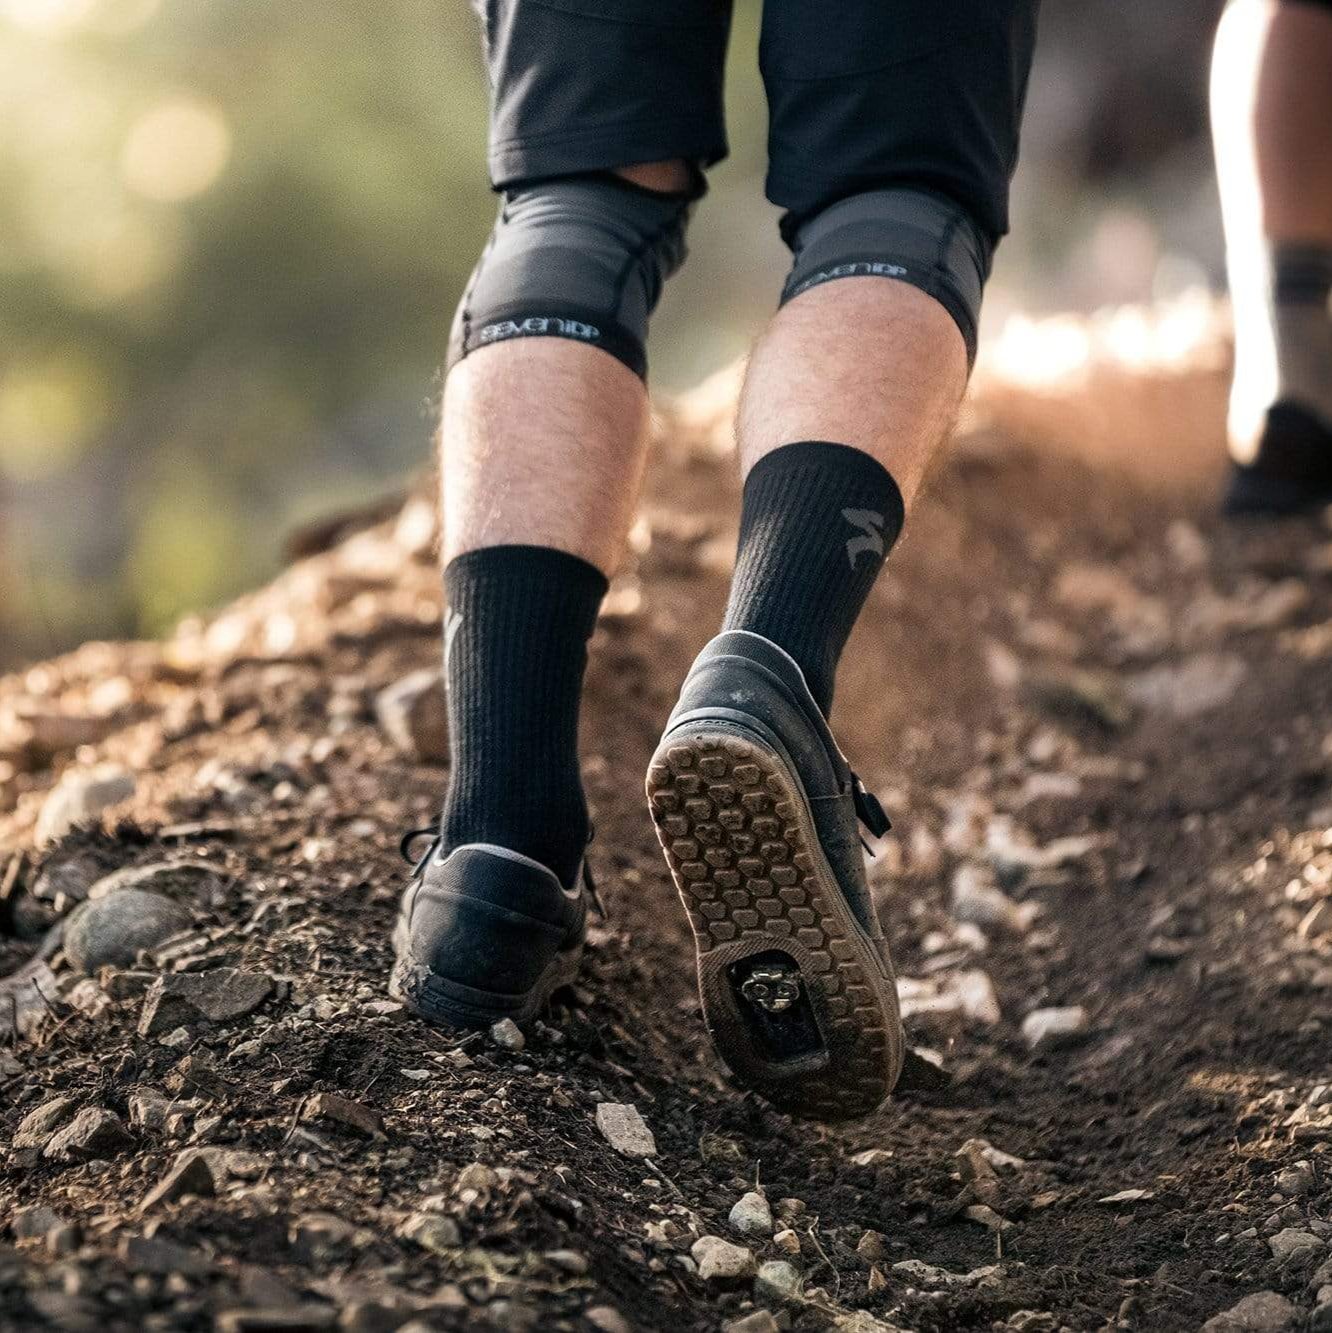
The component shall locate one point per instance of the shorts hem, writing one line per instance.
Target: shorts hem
(605, 148)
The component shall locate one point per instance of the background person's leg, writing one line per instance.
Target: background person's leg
(1272, 127)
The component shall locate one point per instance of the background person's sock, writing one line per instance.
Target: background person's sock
(816, 524)
(516, 627)
(1302, 322)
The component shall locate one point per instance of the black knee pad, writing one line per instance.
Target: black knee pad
(923, 239)
(583, 258)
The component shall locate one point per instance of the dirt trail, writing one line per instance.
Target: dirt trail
(1075, 689)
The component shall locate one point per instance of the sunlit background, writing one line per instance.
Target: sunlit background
(232, 234)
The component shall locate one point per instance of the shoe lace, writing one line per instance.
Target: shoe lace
(869, 811)
(419, 863)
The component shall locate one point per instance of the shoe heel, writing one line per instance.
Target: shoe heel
(799, 1003)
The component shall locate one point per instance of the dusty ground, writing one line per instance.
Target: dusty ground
(1064, 650)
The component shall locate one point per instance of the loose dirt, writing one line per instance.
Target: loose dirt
(1074, 686)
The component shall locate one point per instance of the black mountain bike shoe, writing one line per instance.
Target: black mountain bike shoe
(484, 934)
(1291, 473)
(757, 812)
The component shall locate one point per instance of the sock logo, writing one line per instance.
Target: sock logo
(870, 541)
(452, 623)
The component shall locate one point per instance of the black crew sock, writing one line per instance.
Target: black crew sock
(816, 524)
(516, 628)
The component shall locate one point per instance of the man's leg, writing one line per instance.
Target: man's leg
(597, 123)
(1272, 125)
(893, 136)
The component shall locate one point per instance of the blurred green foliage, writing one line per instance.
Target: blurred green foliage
(230, 235)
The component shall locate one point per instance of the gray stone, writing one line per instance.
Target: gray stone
(94, 1132)
(159, 1256)
(1055, 1027)
(873, 1245)
(308, 1318)
(1263, 1312)
(33, 1223)
(761, 1321)
(413, 713)
(185, 998)
(1197, 685)
(625, 1129)
(508, 1035)
(39, 1124)
(79, 798)
(751, 1215)
(606, 1318)
(777, 1280)
(721, 1262)
(432, 1231)
(343, 1111)
(321, 1236)
(110, 930)
(191, 1173)
(1291, 1244)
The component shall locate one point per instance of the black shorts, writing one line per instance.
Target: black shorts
(861, 93)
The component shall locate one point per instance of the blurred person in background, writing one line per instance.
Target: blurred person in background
(1272, 127)
(893, 136)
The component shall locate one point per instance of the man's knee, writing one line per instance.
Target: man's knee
(896, 232)
(583, 257)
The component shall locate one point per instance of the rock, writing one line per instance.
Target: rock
(190, 1173)
(1292, 1245)
(79, 798)
(873, 1245)
(88, 998)
(110, 930)
(321, 1236)
(413, 713)
(1127, 1197)
(977, 996)
(173, 879)
(751, 1215)
(568, 1261)
(475, 1180)
(63, 1239)
(344, 1111)
(507, 1035)
(985, 1216)
(432, 1231)
(625, 1130)
(871, 1157)
(307, 1318)
(34, 1223)
(761, 1321)
(1087, 696)
(1263, 1312)
(606, 1318)
(861, 1321)
(916, 1270)
(1320, 1320)
(1295, 1180)
(1054, 1027)
(721, 1262)
(39, 1124)
(161, 1257)
(787, 1241)
(777, 1280)
(94, 1132)
(1197, 685)
(978, 900)
(219, 996)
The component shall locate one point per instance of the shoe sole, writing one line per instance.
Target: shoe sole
(740, 840)
(449, 1004)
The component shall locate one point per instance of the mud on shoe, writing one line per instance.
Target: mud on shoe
(759, 816)
(484, 933)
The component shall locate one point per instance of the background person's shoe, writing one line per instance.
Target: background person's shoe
(1292, 471)
(483, 934)
(757, 812)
